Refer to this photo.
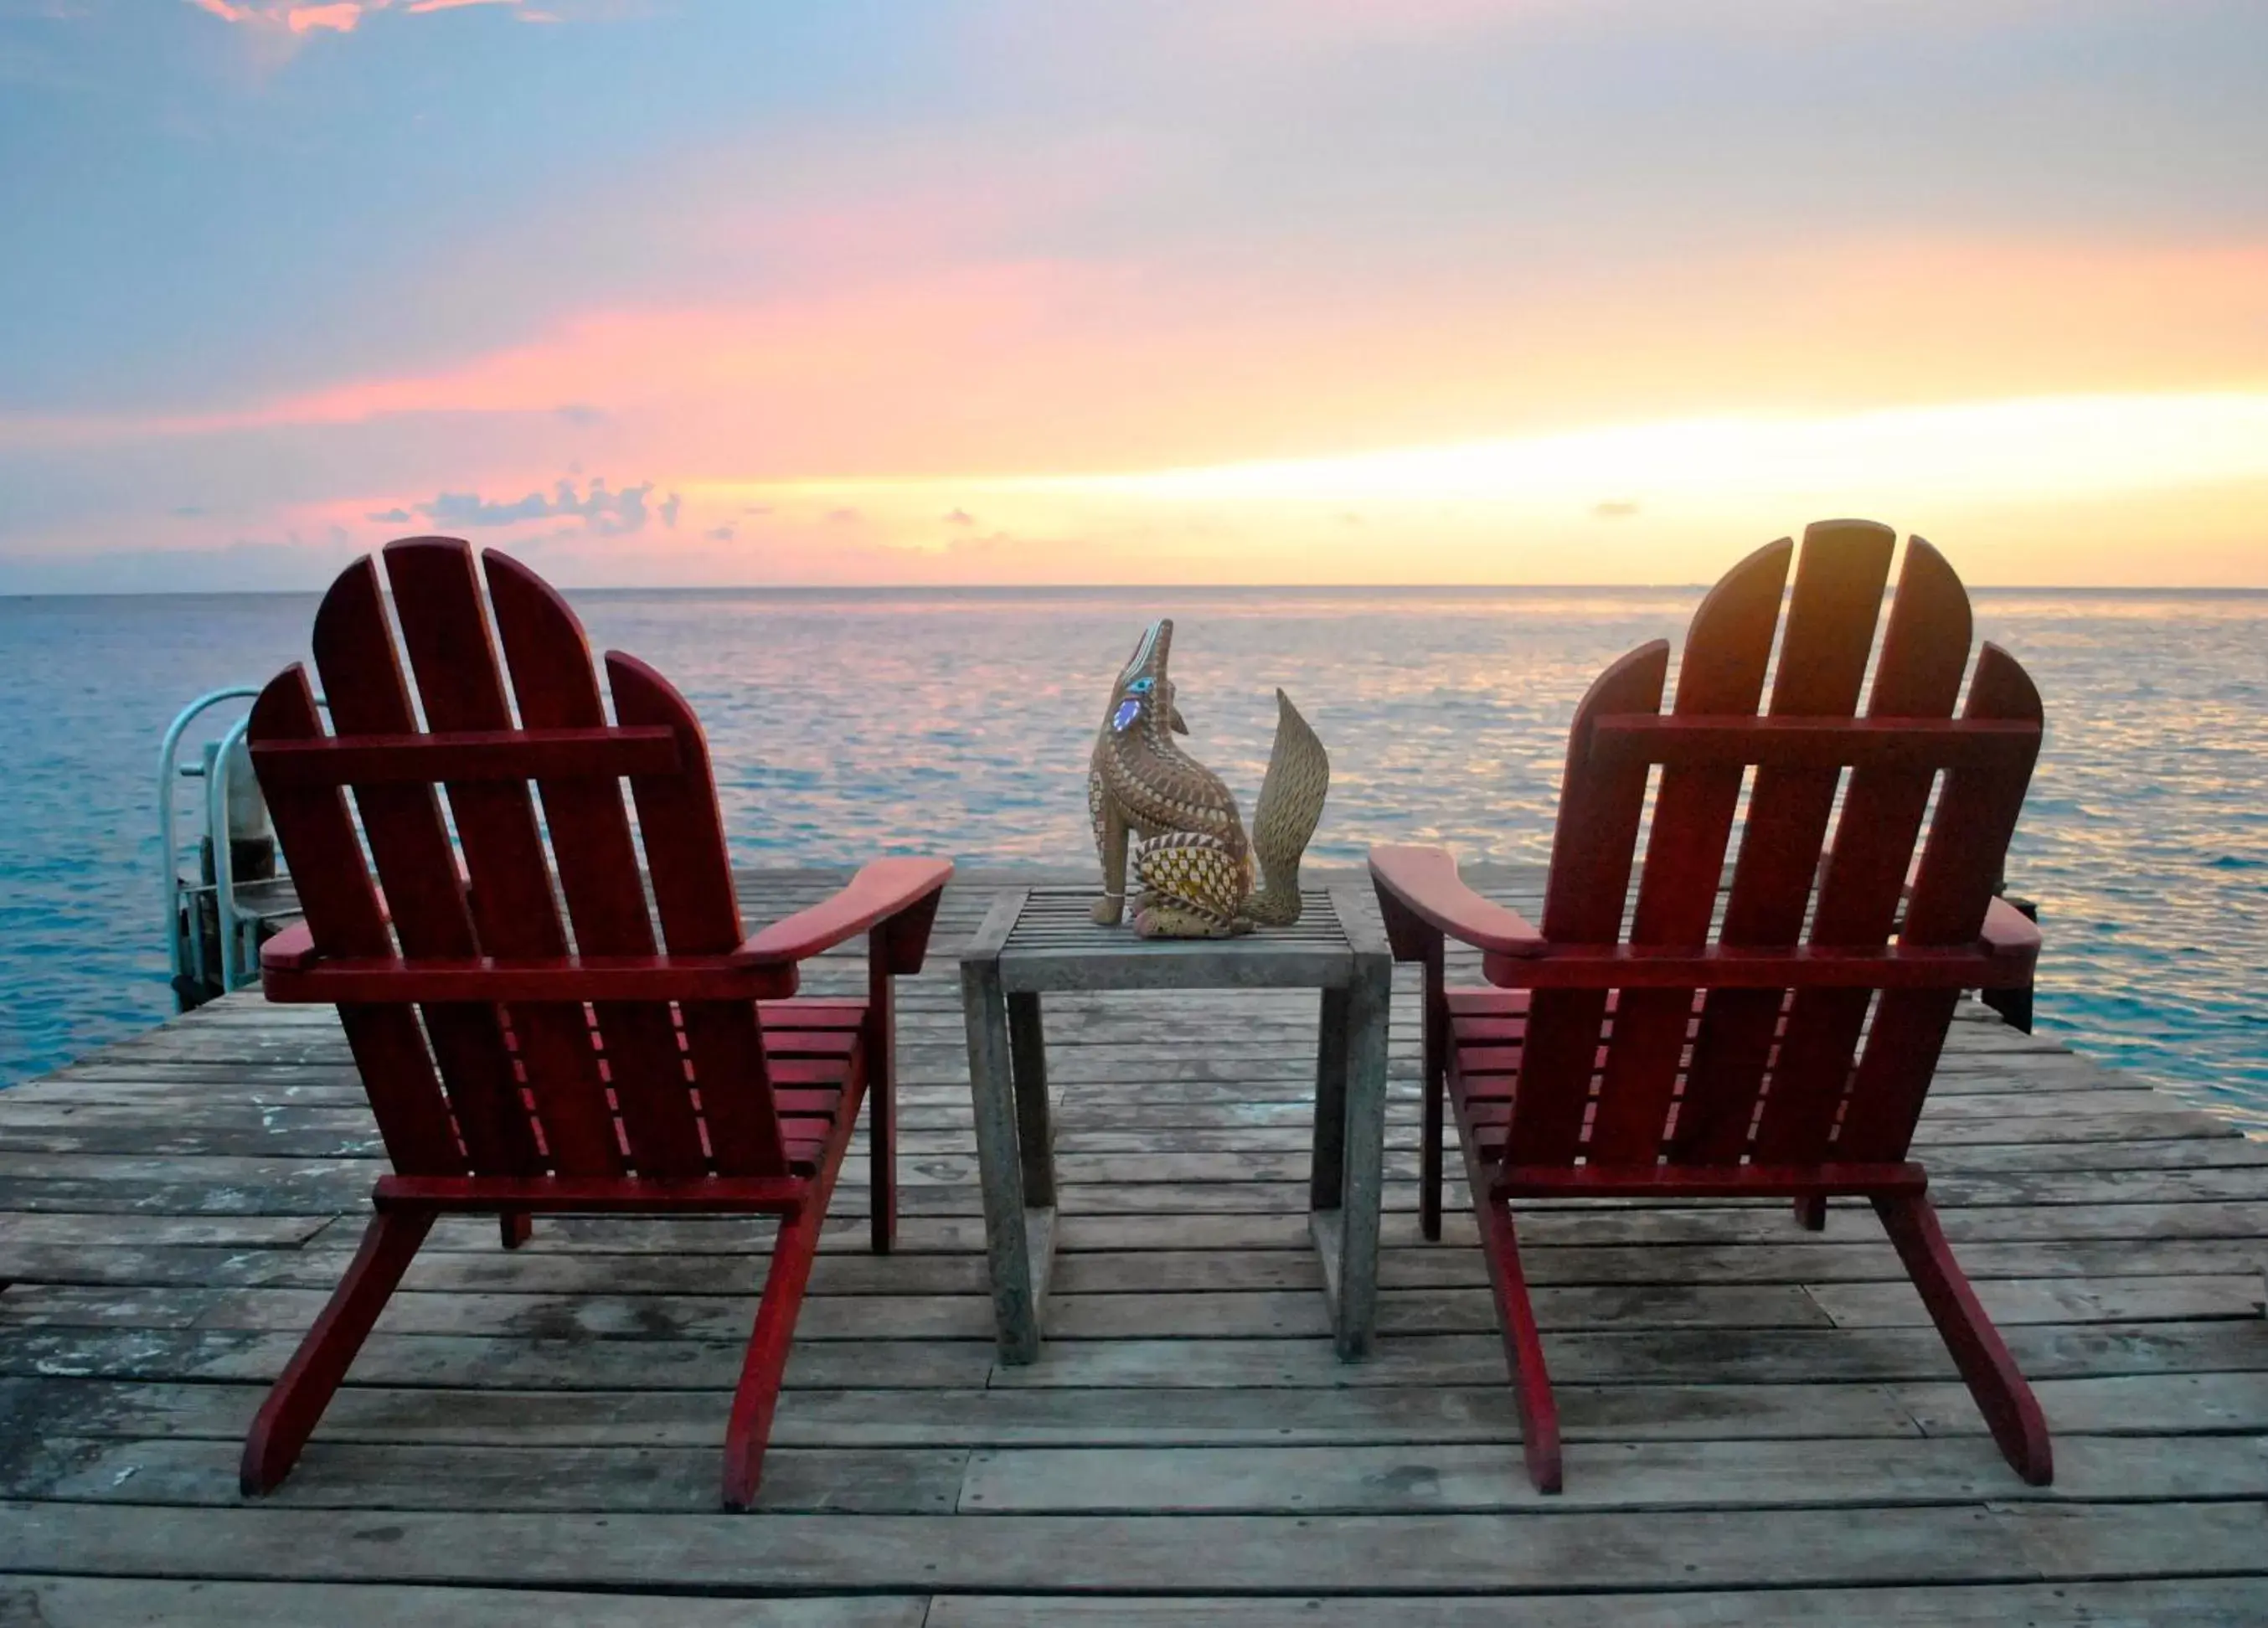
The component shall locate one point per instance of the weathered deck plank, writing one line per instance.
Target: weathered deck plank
(1764, 1429)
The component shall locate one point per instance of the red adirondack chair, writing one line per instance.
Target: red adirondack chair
(1786, 1053)
(517, 1064)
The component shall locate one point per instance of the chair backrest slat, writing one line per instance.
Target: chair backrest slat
(1600, 805)
(1953, 888)
(692, 894)
(438, 602)
(1721, 671)
(1765, 1071)
(1823, 661)
(1925, 652)
(558, 687)
(541, 1085)
(343, 911)
(363, 682)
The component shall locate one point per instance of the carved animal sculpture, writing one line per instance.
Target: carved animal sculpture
(1187, 846)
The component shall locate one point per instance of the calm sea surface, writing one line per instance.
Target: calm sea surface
(845, 723)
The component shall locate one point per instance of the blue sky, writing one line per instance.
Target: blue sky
(834, 275)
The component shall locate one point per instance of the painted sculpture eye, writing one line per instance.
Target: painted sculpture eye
(1142, 686)
(1127, 712)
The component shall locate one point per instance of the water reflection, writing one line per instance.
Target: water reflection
(846, 724)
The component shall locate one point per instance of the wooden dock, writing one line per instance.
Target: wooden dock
(1763, 1428)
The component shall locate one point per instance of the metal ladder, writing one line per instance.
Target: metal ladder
(212, 935)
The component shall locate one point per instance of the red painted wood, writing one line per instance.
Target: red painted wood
(437, 599)
(1438, 1037)
(879, 1045)
(467, 756)
(1815, 742)
(1464, 1003)
(1973, 965)
(882, 888)
(692, 880)
(1721, 671)
(552, 1195)
(816, 1044)
(1426, 894)
(1830, 631)
(567, 978)
(901, 940)
(297, 1400)
(364, 682)
(1592, 852)
(505, 990)
(1418, 890)
(2010, 933)
(1523, 1341)
(1952, 893)
(2010, 1410)
(555, 684)
(749, 1428)
(1924, 651)
(343, 913)
(1516, 1181)
(1772, 994)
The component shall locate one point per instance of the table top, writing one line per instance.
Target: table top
(1046, 939)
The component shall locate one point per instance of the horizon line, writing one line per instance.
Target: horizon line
(1132, 587)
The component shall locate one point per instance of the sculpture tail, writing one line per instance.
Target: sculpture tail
(1291, 806)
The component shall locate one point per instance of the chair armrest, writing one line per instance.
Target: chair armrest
(881, 890)
(1423, 883)
(292, 950)
(2008, 932)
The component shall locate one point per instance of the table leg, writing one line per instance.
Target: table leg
(1326, 1176)
(1364, 1157)
(1018, 1244)
(1350, 1153)
(1027, 1058)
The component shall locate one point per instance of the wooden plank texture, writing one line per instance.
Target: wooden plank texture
(1761, 1426)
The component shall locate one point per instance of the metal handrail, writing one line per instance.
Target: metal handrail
(236, 931)
(230, 922)
(184, 946)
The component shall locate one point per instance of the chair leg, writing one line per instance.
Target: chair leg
(880, 1049)
(766, 1362)
(1811, 1213)
(516, 1227)
(1435, 1043)
(1429, 1171)
(289, 1416)
(1531, 1379)
(2010, 1409)
(882, 1152)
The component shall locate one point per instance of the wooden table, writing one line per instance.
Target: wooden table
(1035, 940)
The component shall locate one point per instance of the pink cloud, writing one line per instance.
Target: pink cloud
(344, 15)
(340, 18)
(1036, 366)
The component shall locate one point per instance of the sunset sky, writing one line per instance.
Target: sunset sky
(1177, 290)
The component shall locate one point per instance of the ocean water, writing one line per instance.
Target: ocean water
(845, 723)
